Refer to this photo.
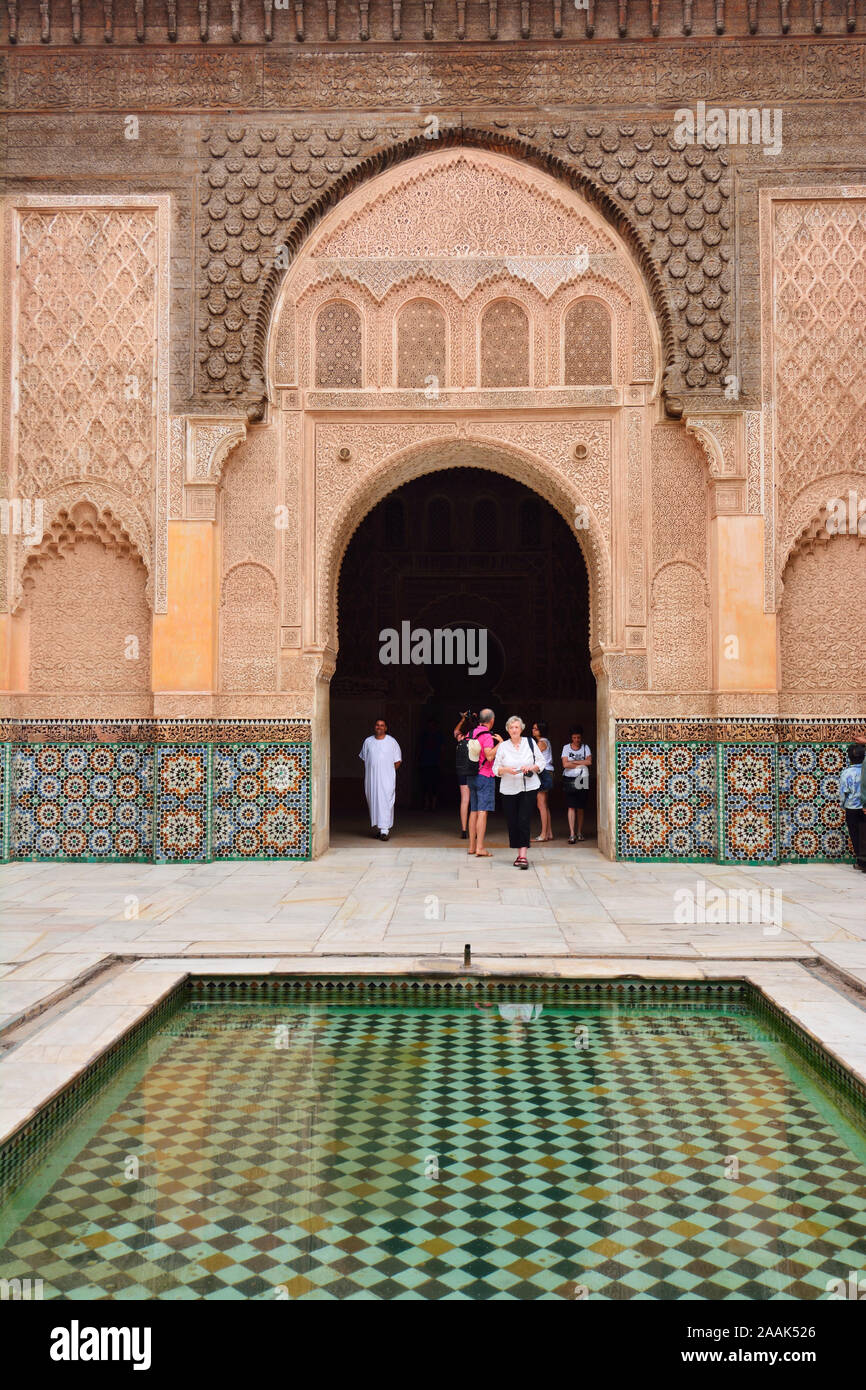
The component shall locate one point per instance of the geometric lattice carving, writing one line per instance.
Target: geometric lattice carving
(823, 617)
(679, 498)
(819, 269)
(248, 630)
(587, 344)
(504, 344)
(338, 346)
(680, 629)
(85, 348)
(88, 339)
(421, 337)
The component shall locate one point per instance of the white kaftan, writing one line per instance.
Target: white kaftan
(380, 778)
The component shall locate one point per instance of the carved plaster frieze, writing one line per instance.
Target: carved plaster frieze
(208, 442)
(720, 437)
(566, 462)
(116, 515)
(264, 186)
(87, 348)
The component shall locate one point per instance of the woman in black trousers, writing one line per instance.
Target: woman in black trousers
(517, 765)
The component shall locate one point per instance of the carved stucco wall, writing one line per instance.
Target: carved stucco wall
(383, 456)
(416, 237)
(823, 618)
(262, 186)
(249, 616)
(89, 620)
(86, 365)
(813, 254)
(680, 610)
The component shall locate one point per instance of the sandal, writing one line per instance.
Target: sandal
(571, 839)
(522, 863)
(483, 854)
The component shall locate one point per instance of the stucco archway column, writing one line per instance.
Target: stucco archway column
(744, 635)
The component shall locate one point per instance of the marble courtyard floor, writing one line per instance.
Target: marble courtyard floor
(88, 949)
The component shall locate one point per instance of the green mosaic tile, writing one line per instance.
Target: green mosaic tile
(399, 1140)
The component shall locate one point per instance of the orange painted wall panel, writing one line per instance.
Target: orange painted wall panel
(745, 636)
(184, 638)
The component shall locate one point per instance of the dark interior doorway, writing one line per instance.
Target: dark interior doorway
(471, 552)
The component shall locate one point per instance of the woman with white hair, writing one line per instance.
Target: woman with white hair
(517, 765)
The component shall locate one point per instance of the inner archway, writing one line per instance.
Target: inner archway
(472, 552)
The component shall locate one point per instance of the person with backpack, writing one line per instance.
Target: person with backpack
(517, 764)
(482, 783)
(462, 766)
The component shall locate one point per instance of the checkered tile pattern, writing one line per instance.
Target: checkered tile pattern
(475, 1151)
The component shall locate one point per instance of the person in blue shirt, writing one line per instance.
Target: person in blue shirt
(851, 796)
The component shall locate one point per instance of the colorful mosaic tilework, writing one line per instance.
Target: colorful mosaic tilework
(5, 799)
(748, 813)
(666, 801)
(182, 795)
(811, 818)
(261, 801)
(484, 1151)
(82, 801)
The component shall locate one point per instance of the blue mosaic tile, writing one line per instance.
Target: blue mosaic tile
(666, 801)
(261, 801)
(82, 801)
(5, 799)
(182, 802)
(748, 812)
(811, 818)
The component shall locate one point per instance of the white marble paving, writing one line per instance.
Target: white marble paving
(389, 900)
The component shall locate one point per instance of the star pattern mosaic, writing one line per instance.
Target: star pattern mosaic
(666, 801)
(261, 801)
(82, 801)
(748, 810)
(308, 1151)
(811, 817)
(182, 801)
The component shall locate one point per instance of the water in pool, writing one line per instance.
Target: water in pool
(455, 1151)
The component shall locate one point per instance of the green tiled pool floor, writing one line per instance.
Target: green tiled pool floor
(468, 1150)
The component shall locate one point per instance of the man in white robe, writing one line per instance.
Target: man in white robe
(381, 757)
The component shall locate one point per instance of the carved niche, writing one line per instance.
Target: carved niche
(679, 604)
(822, 623)
(89, 620)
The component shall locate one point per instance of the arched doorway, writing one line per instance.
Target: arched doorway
(462, 310)
(477, 554)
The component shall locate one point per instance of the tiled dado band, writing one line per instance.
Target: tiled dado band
(156, 790)
(761, 791)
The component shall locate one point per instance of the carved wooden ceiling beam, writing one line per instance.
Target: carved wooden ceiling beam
(453, 27)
